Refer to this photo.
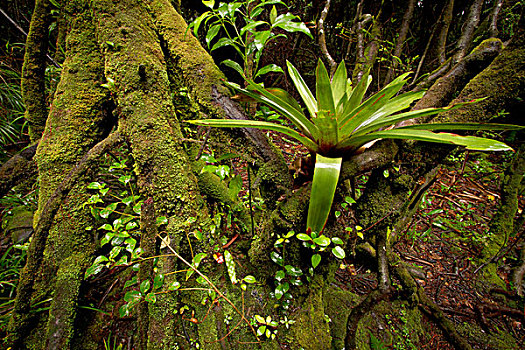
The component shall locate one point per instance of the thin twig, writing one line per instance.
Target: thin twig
(219, 293)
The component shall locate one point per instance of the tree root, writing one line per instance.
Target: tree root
(148, 244)
(419, 296)
(20, 321)
(357, 314)
(18, 168)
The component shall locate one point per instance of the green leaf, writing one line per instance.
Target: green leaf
(326, 175)
(273, 15)
(158, 281)
(339, 83)
(132, 295)
(325, 99)
(249, 279)
(293, 271)
(137, 208)
(131, 282)
(463, 126)
(251, 25)
(93, 270)
(269, 68)
(209, 3)
(131, 225)
(279, 275)
(260, 319)
(470, 142)
(323, 241)
(284, 104)
(316, 259)
(261, 330)
(115, 251)
(286, 22)
(104, 213)
(106, 227)
(396, 118)
(123, 311)
(354, 115)
(222, 42)
(337, 240)
(281, 289)
(145, 286)
(276, 258)
(162, 220)
(195, 263)
(197, 22)
(260, 38)
(212, 33)
(234, 65)
(231, 123)
(174, 286)
(95, 186)
(339, 252)
(125, 179)
(303, 237)
(230, 264)
(304, 91)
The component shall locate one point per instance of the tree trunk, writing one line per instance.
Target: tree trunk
(131, 75)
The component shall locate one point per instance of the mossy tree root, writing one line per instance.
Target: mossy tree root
(418, 296)
(148, 244)
(18, 168)
(20, 322)
(33, 72)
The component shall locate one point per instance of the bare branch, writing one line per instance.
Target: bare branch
(322, 38)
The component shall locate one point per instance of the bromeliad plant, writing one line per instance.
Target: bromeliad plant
(340, 123)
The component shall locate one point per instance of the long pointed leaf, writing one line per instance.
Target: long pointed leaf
(304, 91)
(355, 98)
(395, 105)
(339, 83)
(323, 91)
(462, 126)
(470, 142)
(285, 109)
(326, 175)
(352, 118)
(235, 123)
(407, 115)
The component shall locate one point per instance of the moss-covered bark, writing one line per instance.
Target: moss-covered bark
(125, 65)
(33, 76)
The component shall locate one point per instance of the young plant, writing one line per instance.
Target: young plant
(249, 40)
(340, 123)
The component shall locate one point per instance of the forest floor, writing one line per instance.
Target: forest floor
(443, 242)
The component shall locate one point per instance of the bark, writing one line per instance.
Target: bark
(400, 41)
(144, 56)
(33, 73)
(17, 169)
(465, 41)
(493, 27)
(322, 38)
(434, 54)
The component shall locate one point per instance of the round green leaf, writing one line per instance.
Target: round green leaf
(316, 259)
(339, 252)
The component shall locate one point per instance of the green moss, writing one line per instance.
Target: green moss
(338, 304)
(311, 329)
(492, 340)
(391, 323)
(60, 326)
